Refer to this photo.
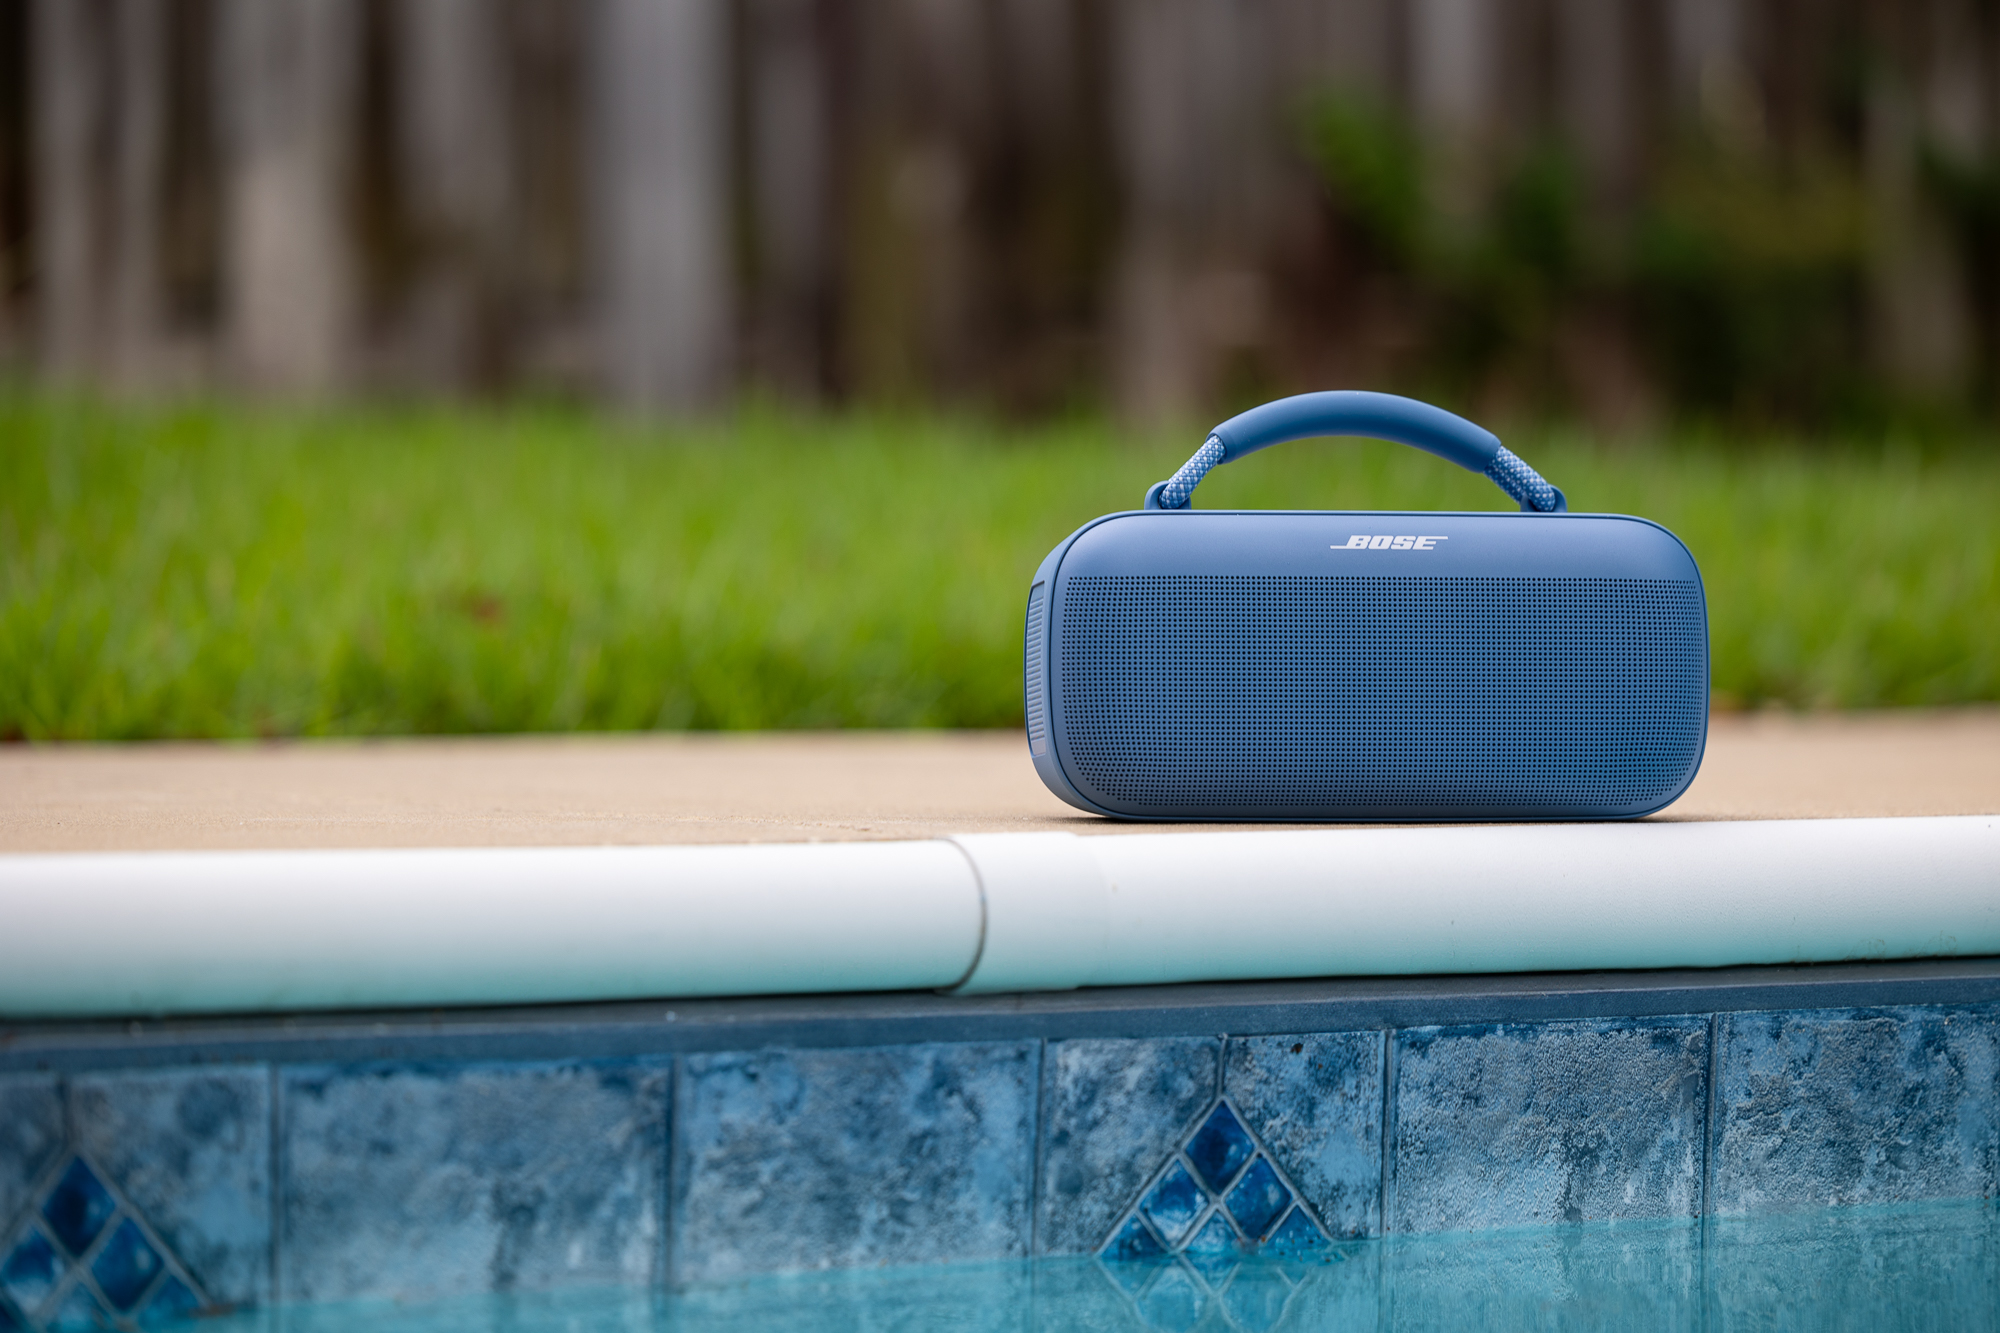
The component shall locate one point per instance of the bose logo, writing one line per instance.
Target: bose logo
(1361, 543)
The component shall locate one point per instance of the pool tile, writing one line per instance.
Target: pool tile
(1296, 1238)
(798, 1160)
(1343, 1290)
(1839, 1107)
(1214, 1250)
(1513, 1125)
(78, 1206)
(1315, 1102)
(1114, 1110)
(1237, 1222)
(1134, 1243)
(78, 1312)
(975, 1298)
(171, 1301)
(31, 1139)
(423, 1181)
(1173, 1204)
(191, 1150)
(1256, 1299)
(33, 1268)
(1220, 1148)
(1175, 1301)
(1076, 1296)
(1258, 1200)
(1827, 1267)
(126, 1266)
(1553, 1277)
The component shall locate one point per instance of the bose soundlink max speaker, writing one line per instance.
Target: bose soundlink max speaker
(1246, 665)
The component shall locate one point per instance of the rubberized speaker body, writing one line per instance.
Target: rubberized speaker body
(1228, 665)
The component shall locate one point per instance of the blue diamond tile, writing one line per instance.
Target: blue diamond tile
(126, 1267)
(1132, 1277)
(1174, 1302)
(171, 1302)
(78, 1207)
(1256, 1300)
(1296, 1238)
(1219, 1148)
(1134, 1245)
(79, 1312)
(1258, 1200)
(1214, 1250)
(32, 1270)
(1174, 1204)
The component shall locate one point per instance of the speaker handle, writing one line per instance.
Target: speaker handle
(1380, 416)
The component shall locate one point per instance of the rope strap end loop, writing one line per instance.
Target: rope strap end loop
(1512, 475)
(1177, 490)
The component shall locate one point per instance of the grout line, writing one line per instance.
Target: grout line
(276, 1182)
(1035, 1148)
(1709, 1127)
(38, 1189)
(72, 1142)
(1704, 1317)
(663, 1254)
(1385, 1297)
(1386, 1189)
(83, 1272)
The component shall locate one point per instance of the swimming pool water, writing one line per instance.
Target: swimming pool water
(1909, 1267)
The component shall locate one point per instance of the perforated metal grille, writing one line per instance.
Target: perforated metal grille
(1036, 693)
(1381, 697)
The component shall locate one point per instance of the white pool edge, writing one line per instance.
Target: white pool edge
(154, 933)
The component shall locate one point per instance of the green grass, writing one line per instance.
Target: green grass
(218, 570)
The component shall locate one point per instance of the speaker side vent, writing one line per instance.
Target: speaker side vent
(1036, 682)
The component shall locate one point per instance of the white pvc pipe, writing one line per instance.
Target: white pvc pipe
(187, 932)
(192, 932)
(1532, 898)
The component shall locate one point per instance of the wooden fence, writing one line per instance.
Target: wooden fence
(1029, 204)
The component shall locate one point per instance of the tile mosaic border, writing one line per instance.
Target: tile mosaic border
(250, 1181)
(85, 1257)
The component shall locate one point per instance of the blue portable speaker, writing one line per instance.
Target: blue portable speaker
(1302, 665)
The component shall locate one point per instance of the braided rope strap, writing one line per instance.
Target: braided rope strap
(1515, 477)
(1180, 487)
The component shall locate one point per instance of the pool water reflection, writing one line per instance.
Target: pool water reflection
(1910, 1267)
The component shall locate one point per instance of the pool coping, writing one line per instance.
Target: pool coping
(666, 1027)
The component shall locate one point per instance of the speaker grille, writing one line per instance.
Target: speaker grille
(1381, 697)
(1037, 692)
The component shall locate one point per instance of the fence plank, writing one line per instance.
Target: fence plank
(287, 97)
(662, 194)
(72, 99)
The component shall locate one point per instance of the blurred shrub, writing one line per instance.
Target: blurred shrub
(1488, 291)
(1966, 189)
(1736, 281)
(1747, 282)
